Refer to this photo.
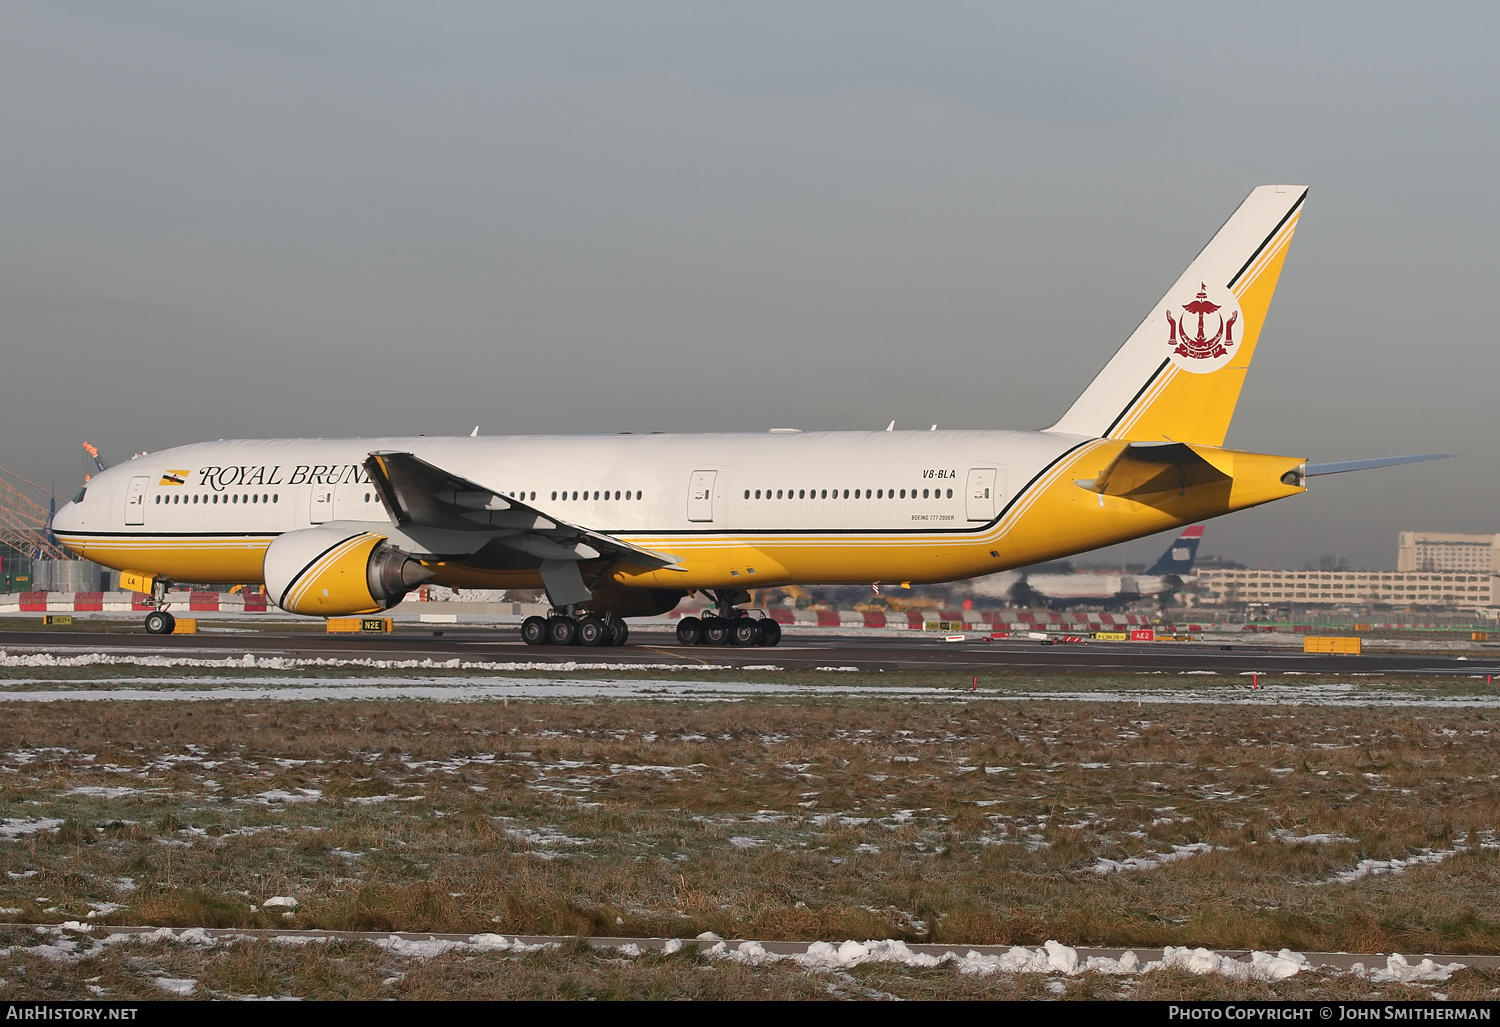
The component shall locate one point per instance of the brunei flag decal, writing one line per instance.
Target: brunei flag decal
(174, 477)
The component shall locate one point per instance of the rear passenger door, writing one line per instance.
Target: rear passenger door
(979, 499)
(701, 496)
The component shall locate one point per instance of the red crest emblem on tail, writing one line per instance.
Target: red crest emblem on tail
(1201, 346)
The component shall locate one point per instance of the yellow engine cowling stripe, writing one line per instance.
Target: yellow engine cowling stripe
(340, 575)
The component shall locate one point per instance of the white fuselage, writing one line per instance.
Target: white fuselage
(854, 490)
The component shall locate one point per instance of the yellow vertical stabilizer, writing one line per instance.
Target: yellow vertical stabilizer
(1179, 375)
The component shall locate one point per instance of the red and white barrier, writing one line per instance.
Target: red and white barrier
(130, 602)
(975, 620)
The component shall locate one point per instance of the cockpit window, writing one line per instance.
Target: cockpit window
(79, 498)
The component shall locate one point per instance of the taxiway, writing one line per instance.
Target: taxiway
(797, 652)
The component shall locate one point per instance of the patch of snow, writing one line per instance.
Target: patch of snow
(427, 948)
(101, 792)
(1151, 860)
(1398, 970)
(281, 900)
(1368, 867)
(266, 798)
(1310, 839)
(20, 828)
(176, 985)
(1051, 958)
(544, 836)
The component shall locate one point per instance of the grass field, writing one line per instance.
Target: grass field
(950, 818)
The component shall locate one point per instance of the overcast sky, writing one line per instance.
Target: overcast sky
(271, 219)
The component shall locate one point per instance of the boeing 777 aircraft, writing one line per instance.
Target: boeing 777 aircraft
(627, 525)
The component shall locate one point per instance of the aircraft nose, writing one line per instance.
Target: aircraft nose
(67, 518)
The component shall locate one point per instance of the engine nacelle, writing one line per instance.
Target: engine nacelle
(333, 571)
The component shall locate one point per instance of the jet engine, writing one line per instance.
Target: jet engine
(330, 571)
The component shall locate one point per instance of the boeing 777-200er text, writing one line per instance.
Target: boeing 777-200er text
(627, 525)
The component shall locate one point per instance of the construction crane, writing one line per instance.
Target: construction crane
(24, 524)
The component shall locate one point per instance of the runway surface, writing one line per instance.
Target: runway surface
(929, 653)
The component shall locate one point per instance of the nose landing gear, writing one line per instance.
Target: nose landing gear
(159, 621)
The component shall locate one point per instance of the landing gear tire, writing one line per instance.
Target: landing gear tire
(593, 632)
(770, 632)
(561, 630)
(160, 623)
(534, 631)
(689, 631)
(618, 632)
(745, 631)
(715, 631)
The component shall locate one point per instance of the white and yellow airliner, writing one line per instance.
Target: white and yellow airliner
(627, 525)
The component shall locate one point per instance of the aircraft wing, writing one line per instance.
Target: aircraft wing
(422, 494)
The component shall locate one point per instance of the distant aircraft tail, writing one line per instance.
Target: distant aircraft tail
(1179, 557)
(1178, 376)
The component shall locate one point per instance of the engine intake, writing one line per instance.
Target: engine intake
(329, 571)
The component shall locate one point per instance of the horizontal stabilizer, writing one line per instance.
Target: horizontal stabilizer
(1146, 468)
(1313, 470)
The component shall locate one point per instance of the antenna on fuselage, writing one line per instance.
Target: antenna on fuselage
(891, 426)
(475, 433)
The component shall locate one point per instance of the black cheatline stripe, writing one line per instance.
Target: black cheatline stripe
(1267, 241)
(298, 576)
(1134, 399)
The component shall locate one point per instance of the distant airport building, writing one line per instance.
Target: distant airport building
(1386, 588)
(1441, 551)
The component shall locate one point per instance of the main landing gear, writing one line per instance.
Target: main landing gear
(569, 629)
(728, 625)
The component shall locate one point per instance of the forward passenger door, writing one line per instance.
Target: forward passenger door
(135, 500)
